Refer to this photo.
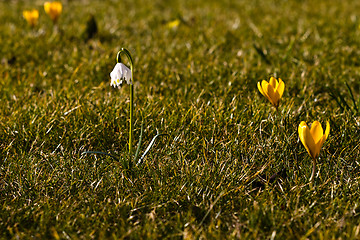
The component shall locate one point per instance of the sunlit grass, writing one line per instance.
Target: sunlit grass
(230, 166)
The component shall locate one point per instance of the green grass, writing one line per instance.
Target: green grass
(196, 83)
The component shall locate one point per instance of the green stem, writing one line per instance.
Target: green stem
(131, 127)
(131, 116)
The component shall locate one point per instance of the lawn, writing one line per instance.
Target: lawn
(228, 165)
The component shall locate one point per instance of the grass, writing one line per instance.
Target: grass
(230, 166)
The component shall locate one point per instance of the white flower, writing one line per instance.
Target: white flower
(120, 73)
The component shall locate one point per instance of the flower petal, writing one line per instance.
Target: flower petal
(316, 131)
(113, 84)
(264, 86)
(324, 137)
(306, 138)
(280, 88)
(112, 75)
(273, 82)
(327, 130)
(47, 7)
(115, 72)
(317, 134)
(125, 73)
(260, 89)
(273, 97)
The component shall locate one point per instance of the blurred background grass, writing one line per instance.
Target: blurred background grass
(211, 177)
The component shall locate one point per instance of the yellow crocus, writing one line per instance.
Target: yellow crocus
(31, 17)
(313, 139)
(173, 24)
(53, 9)
(272, 90)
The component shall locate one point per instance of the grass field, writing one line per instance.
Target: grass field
(230, 166)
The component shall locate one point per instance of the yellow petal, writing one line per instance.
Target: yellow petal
(35, 13)
(317, 134)
(273, 82)
(47, 7)
(264, 87)
(26, 14)
(325, 136)
(306, 138)
(260, 89)
(280, 88)
(327, 130)
(273, 97)
(316, 131)
(58, 7)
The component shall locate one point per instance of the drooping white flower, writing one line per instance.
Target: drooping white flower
(120, 73)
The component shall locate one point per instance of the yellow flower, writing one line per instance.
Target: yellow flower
(31, 17)
(314, 137)
(173, 24)
(272, 90)
(53, 9)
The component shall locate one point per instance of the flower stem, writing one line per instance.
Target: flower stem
(131, 116)
(313, 171)
(131, 127)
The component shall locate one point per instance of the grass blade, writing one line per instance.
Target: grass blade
(149, 147)
(140, 139)
(352, 97)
